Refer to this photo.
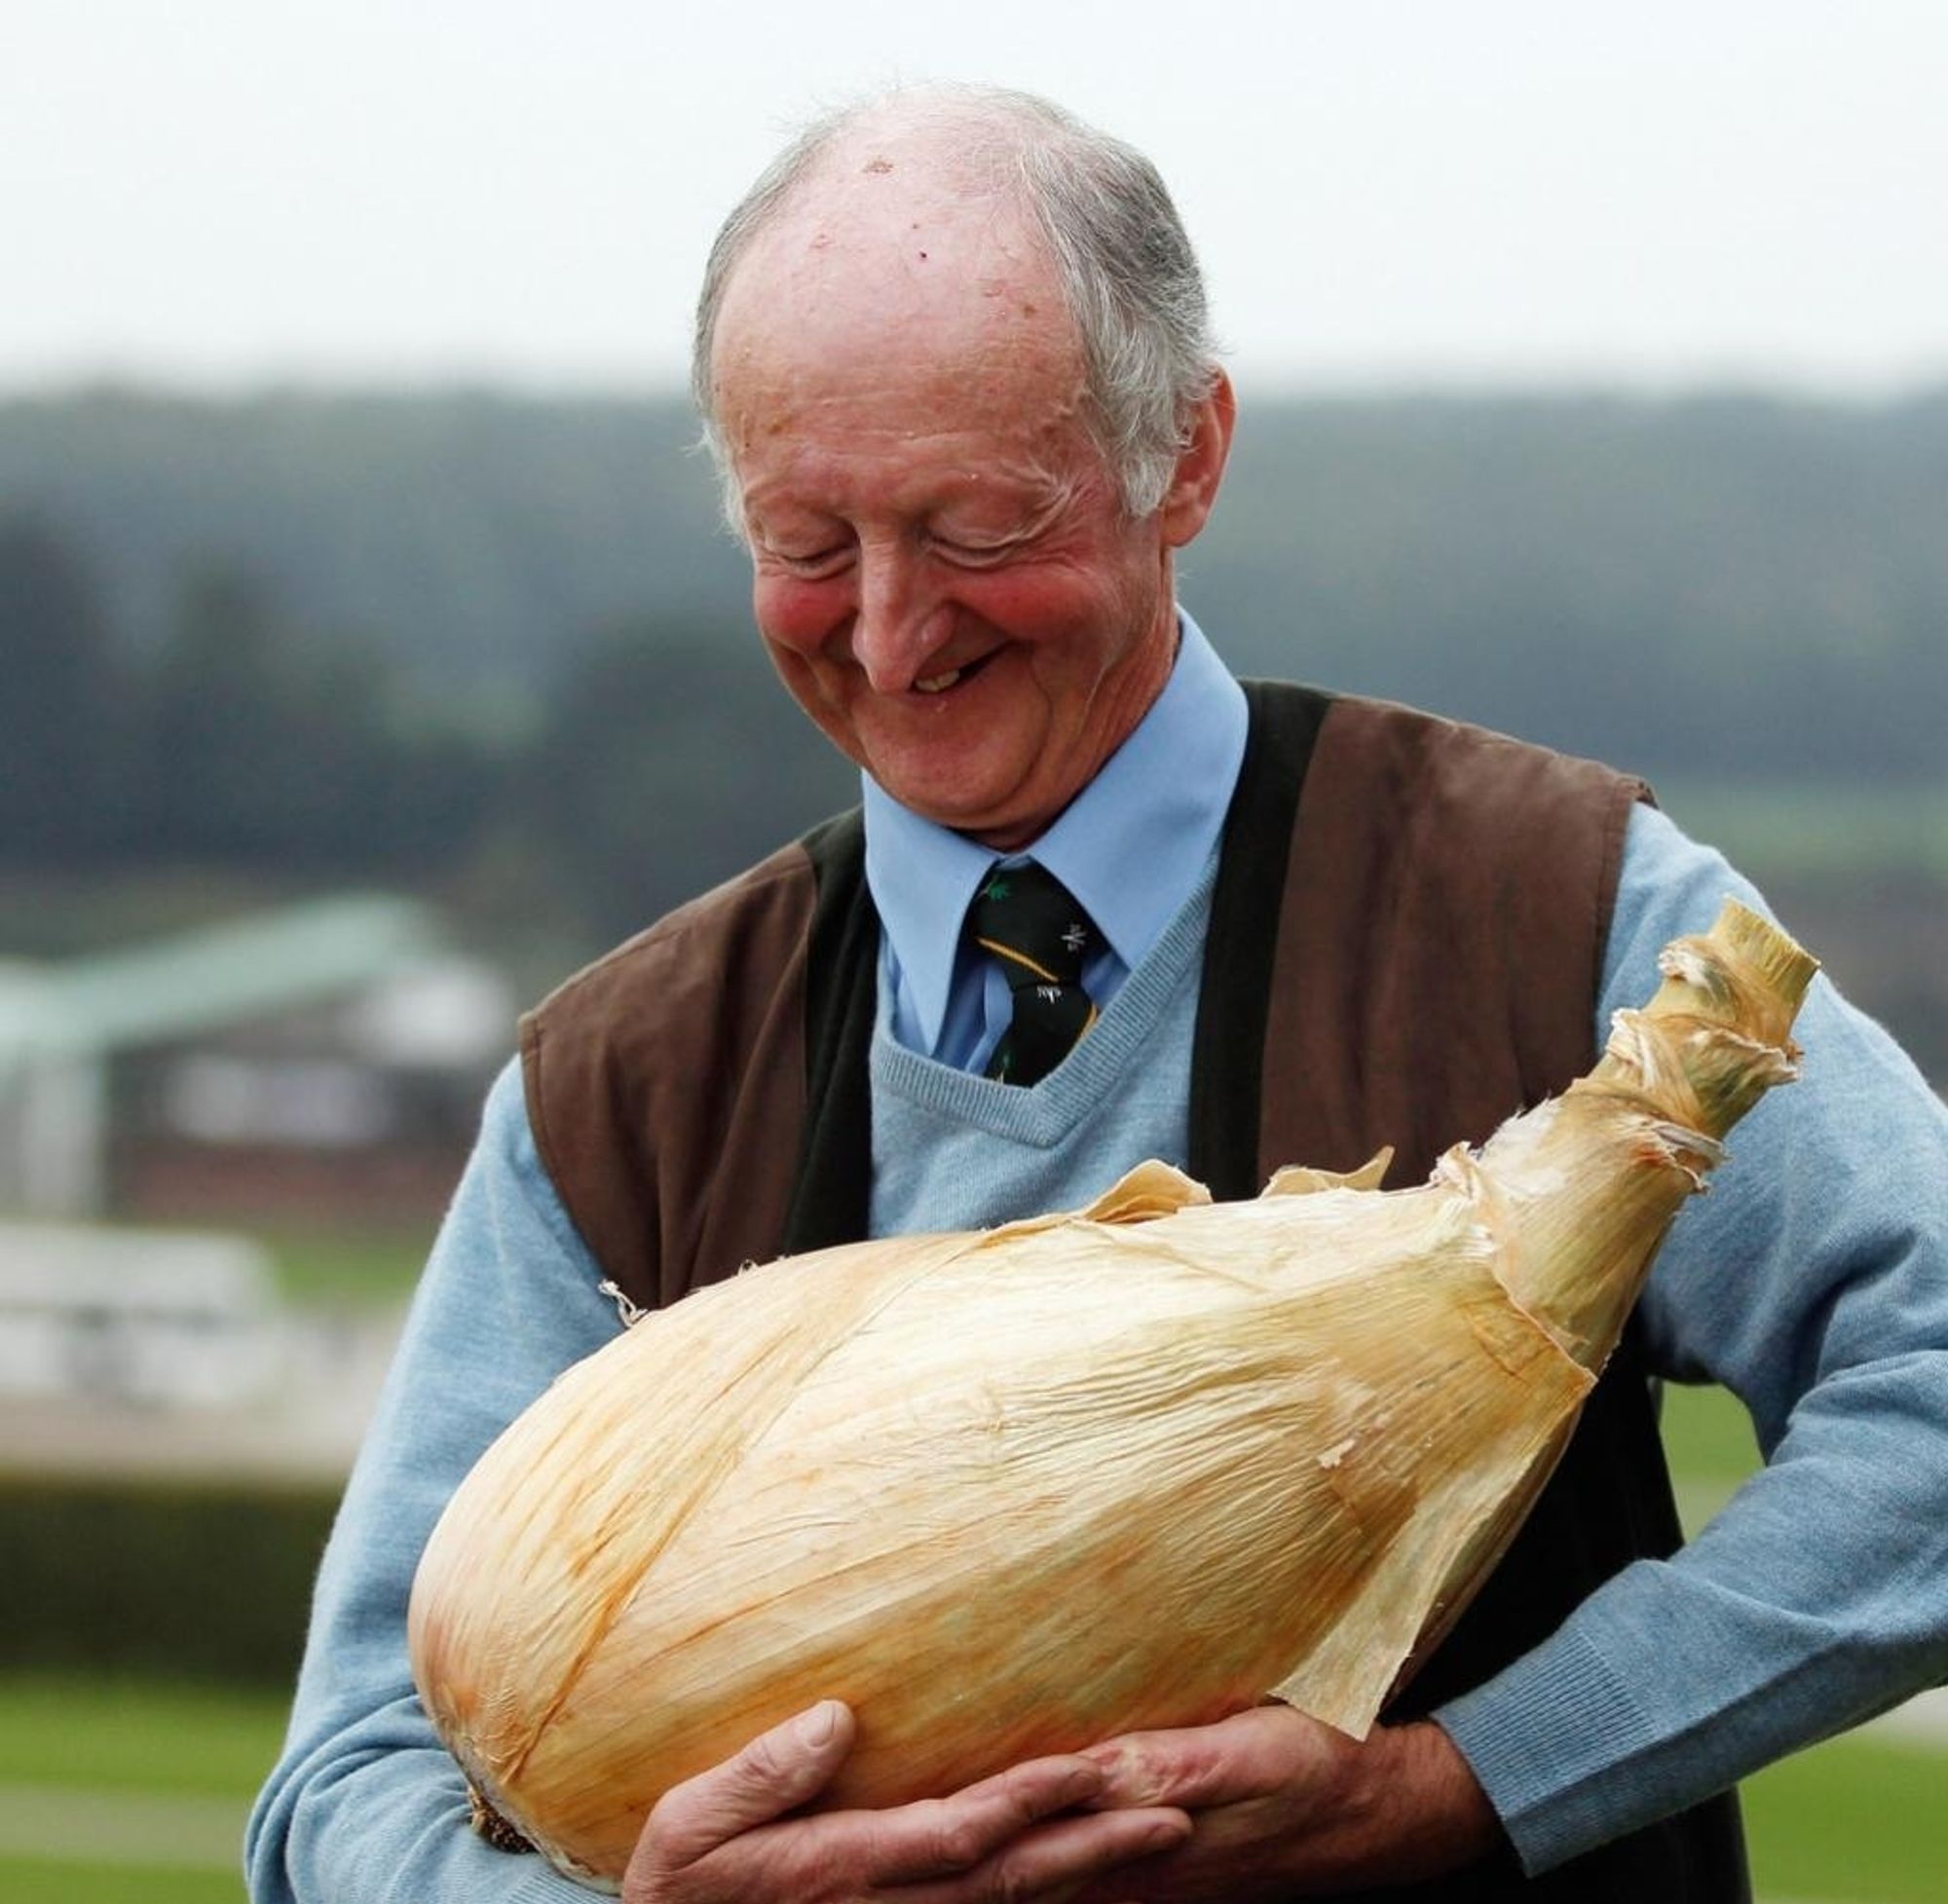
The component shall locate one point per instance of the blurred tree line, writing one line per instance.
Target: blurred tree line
(499, 648)
(658, 759)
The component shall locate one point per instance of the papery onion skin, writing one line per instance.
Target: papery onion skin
(1012, 1492)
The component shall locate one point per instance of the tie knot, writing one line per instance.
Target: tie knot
(1031, 923)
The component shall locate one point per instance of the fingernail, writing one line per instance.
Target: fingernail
(816, 1726)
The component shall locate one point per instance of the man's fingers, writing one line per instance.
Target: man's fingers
(1057, 1859)
(1202, 1766)
(777, 1772)
(1022, 1833)
(938, 1837)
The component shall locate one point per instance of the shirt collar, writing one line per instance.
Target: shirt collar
(1131, 846)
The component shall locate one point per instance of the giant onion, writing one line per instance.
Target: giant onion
(1011, 1492)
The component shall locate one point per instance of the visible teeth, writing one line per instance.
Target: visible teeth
(936, 683)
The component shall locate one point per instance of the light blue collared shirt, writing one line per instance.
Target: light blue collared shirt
(1131, 847)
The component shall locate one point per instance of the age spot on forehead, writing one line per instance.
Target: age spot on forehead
(877, 165)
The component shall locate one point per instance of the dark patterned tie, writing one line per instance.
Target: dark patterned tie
(1029, 920)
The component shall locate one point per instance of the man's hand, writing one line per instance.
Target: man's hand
(728, 1836)
(1286, 1806)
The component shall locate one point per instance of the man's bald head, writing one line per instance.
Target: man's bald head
(1022, 172)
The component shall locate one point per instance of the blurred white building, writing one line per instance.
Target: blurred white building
(329, 1056)
(142, 1316)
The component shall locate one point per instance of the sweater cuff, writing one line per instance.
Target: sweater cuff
(1550, 1739)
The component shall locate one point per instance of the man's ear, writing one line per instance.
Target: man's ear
(1193, 486)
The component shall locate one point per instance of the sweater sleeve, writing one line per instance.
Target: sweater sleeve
(364, 1802)
(1812, 1282)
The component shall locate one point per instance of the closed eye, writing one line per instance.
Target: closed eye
(972, 556)
(814, 564)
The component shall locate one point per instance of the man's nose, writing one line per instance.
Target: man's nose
(895, 623)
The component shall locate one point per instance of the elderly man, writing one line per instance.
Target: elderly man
(953, 356)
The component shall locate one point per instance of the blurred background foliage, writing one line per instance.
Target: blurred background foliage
(497, 649)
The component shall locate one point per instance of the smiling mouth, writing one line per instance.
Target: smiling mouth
(939, 684)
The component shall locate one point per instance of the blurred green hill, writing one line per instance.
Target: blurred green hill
(1726, 586)
(470, 536)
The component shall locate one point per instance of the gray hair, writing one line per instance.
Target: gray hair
(1120, 251)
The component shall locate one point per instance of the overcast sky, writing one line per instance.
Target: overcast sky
(1384, 192)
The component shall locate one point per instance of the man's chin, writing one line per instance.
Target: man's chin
(990, 821)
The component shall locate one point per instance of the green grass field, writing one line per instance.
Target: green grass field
(348, 1270)
(126, 1792)
(43, 1881)
(1859, 1820)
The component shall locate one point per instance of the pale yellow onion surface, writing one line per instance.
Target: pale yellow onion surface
(1011, 1492)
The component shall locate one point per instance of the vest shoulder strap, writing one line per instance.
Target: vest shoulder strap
(660, 1080)
(1442, 922)
(832, 1198)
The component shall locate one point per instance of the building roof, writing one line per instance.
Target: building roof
(200, 980)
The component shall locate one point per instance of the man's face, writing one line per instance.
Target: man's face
(943, 569)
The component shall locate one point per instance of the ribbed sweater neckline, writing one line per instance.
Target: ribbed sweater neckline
(1046, 1113)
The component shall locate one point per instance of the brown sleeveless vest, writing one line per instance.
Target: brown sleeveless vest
(1406, 945)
